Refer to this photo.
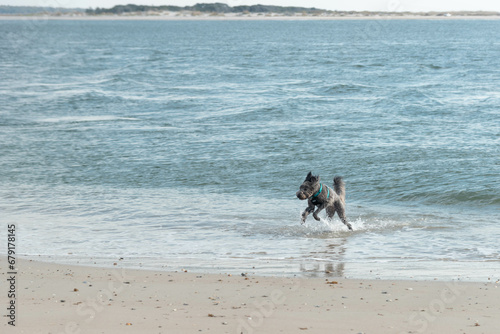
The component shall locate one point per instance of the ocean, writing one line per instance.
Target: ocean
(178, 145)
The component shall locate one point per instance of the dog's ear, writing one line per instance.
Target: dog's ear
(314, 179)
(308, 177)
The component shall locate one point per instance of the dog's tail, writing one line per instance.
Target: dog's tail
(339, 186)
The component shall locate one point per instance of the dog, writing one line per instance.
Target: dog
(321, 196)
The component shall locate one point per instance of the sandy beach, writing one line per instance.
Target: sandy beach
(55, 298)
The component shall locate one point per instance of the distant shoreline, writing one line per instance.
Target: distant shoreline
(236, 17)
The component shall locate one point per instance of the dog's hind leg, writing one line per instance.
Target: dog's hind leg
(330, 211)
(341, 212)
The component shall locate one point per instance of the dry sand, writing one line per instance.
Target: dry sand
(55, 298)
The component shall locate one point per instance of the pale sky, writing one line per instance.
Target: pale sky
(372, 5)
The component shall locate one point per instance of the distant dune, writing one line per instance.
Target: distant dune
(31, 10)
(224, 10)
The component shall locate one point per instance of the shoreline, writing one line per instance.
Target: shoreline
(303, 270)
(208, 17)
(79, 299)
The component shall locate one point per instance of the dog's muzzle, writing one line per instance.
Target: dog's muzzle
(301, 195)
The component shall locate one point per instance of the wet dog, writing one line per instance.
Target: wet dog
(321, 196)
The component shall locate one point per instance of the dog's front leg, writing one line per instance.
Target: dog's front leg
(315, 214)
(307, 211)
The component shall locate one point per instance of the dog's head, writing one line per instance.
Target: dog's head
(308, 187)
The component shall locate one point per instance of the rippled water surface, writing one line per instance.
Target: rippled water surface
(182, 144)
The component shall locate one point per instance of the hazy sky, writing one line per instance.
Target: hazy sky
(385, 5)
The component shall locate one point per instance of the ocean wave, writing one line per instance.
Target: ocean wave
(90, 118)
(433, 66)
(346, 88)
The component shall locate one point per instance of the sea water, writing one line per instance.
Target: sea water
(180, 144)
